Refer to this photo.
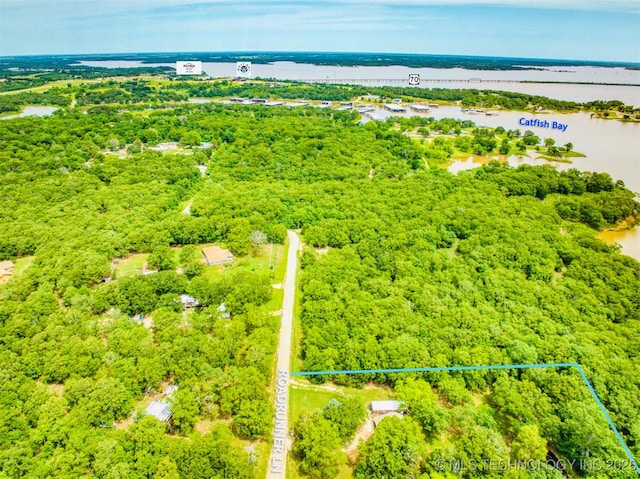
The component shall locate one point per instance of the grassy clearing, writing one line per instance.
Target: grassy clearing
(275, 303)
(130, 265)
(296, 340)
(345, 472)
(257, 261)
(304, 401)
(21, 264)
(304, 397)
(460, 155)
(261, 451)
(556, 159)
(295, 363)
(279, 258)
(574, 154)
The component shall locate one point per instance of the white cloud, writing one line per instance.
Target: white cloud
(105, 5)
(386, 25)
(577, 4)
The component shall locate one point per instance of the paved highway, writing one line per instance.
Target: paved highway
(278, 458)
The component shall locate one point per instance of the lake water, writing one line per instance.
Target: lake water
(625, 89)
(32, 111)
(611, 146)
(629, 240)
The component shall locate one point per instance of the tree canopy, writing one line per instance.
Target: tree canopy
(418, 267)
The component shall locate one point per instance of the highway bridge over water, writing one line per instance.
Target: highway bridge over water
(359, 81)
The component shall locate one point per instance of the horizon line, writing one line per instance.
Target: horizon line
(313, 52)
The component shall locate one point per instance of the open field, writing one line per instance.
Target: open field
(258, 260)
(306, 397)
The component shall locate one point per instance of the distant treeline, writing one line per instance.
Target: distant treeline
(30, 77)
(143, 91)
(54, 96)
(324, 58)
(468, 97)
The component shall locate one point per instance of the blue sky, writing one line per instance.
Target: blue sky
(568, 29)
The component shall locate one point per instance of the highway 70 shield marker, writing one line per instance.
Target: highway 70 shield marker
(414, 79)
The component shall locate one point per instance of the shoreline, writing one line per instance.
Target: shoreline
(627, 224)
(632, 116)
(551, 82)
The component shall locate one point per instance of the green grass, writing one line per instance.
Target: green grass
(275, 303)
(306, 398)
(279, 258)
(130, 265)
(262, 448)
(296, 340)
(254, 262)
(460, 155)
(305, 401)
(557, 159)
(292, 469)
(345, 472)
(21, 264)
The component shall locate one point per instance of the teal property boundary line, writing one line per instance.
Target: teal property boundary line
(485, 368)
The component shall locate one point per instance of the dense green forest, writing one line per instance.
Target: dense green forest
(424, 268)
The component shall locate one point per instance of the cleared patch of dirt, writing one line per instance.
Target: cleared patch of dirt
(363, 433)
(203, 427)
(147, 322)
(370, 386)
(323, 387)
(125, 423)
(56, 389)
